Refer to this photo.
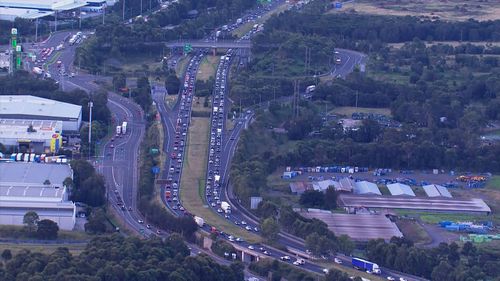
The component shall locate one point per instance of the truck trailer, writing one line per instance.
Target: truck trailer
(226, 207)
(365, 265)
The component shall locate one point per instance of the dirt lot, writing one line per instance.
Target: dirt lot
(454, 10)
(349, 110)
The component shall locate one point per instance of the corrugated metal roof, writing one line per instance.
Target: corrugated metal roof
(346, 184)
(33, 174)
(400, 189)
(18, 129)
(434, 190)
(35, 106)
(365, 187)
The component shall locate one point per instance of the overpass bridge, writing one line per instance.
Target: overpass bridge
(244, 44)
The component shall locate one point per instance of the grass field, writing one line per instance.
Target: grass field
(494, 183)
(180, 68)
(453, 10)
(208, 67)
(349, 110)
(434, 218)
(240, 31)
(74, 249)
(193, 180)
(413, 231)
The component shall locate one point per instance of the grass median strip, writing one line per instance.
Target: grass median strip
(193, 181)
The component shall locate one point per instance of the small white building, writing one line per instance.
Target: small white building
(35, 108)
(400, 189)
(35, 187)
(435, 190)
(366, 187)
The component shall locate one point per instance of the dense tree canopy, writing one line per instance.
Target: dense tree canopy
(121, 259)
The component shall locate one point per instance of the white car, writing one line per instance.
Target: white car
(325, 270)
(391, 278)
(296, 263)
(402, 279)
(251, 247)
(337, 261)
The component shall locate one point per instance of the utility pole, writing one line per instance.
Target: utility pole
(103, 12)
(80, 21)
(36, 30)
(123, 12)
(91, 104)
(141, 7)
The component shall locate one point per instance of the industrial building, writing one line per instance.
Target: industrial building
(35, 108)
(434, 190)
(35, 187)
(345, 184)
(358, 227)
(324, 185)
(35, 136)
(299, 187)
(400, 189)
(365, 187)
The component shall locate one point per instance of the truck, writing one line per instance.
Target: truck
(217, 33)
(124, 127)
(226, 207)
(199, 221)
(118, 130)
(37, 70)
(365, 265)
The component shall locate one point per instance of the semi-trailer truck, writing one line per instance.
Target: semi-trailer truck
(365, 265)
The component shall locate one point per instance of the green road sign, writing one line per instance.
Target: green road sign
(14, 43)
(188, 48)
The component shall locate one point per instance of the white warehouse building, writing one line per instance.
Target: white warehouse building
(35, 187)
(400, 189)
(35, 108)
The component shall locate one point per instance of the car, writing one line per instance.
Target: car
(267, 253)
(369, 272)
(296, 263)
(325, 270)
(158, 232)
(130, 208)
(391, 278)
(337, 261)
(248, 228)
(251, 247)
(148, 226)
(140, 221)
(112, 146)
(285, 258)
(243, 223)
(402, 279)
(256, 229)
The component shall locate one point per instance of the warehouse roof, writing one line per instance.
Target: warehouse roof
(35, 106)
(48, 5)
(434, 190)
(400, 189)
(33, 174)
(18, 129)
(345, 184)
(365, 187)
(299, 187)
(323, 185)
(11, 13)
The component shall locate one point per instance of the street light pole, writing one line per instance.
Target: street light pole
(91, 104)
(123, 15)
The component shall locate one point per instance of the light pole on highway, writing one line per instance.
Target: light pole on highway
(91, 104)
(123, 12)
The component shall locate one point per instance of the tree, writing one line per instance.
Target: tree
(319, 244)
(47, 229)
(6, 254)
(312, 198)
(330, 198)
(97, 222)
(442, 272)
(172, 83)
(31, 219)
(270, 229)
(119, 81)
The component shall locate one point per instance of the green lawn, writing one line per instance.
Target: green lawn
(494, 183)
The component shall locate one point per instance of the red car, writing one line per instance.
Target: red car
(173, 155)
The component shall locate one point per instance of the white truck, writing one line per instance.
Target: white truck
(124, 127)
(118, 130)
(199, 221)
(37, 70)
(225, 207)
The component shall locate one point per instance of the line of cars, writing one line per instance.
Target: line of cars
(180, 138)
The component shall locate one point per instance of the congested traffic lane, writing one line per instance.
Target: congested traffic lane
(176, 156)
